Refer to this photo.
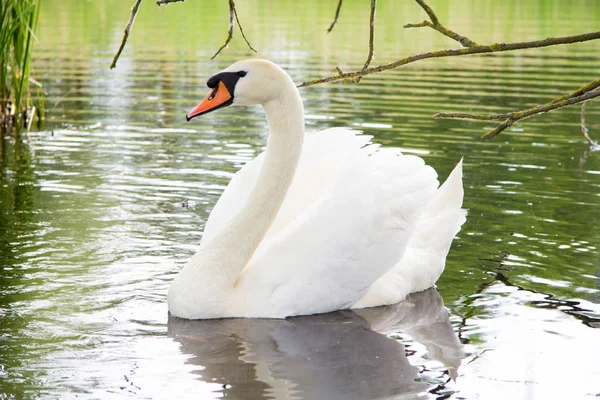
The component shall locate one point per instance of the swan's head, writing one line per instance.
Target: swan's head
(245, 82)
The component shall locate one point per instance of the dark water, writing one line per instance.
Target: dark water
(102, 208)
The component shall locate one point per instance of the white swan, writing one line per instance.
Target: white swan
(317, 222)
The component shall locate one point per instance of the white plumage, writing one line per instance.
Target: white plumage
(317, 223)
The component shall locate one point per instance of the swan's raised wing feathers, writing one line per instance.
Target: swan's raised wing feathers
(425, 256)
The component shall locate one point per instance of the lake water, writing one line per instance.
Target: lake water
(101, 208)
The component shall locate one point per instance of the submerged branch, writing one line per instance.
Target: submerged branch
(335, 19)
(435, 23)
(232, 18)
(492, 48)
(134, 11)
(594, 146)
(512, 117)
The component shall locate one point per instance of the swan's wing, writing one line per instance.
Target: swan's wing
(326, 257)
(316, 170)
(425, 256)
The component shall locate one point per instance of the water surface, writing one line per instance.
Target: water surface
(101, 208)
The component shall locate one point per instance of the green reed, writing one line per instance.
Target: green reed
(17, 26)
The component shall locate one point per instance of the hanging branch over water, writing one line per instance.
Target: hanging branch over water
(233, 17)
(134, 11)
(581, 95)
(492, 48)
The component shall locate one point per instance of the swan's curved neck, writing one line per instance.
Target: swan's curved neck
(238, 240)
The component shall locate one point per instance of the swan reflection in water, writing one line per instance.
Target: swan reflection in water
(340, 355)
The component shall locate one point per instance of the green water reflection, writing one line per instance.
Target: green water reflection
(92, 227)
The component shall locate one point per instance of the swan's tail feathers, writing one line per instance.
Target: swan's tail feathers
(425, 256)
(449, 196)
(441, 220)
(443, 217)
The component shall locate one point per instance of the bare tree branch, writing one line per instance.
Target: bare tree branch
(232, 18)
(335, 19)
(492, 48)
(512, 117)
(134, 11)
(435, 23)
(163, 2)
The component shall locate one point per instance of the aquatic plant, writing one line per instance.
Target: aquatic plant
(17, 27)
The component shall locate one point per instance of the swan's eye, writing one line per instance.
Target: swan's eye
(241, 74)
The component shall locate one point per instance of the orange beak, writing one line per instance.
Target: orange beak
(218, 98)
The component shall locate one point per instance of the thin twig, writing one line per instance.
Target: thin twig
(371, 37)
(337, 14)
(232, 18)
(60, 99)
(241, 30)
(36, 83)
(134, 11)
(512, 117)
(163, 2)
(492, 48)
(525, 113)
(578, 92)
(434, 19)
(229, 32)
(371, 33)
(465, 41)
(435, 23)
